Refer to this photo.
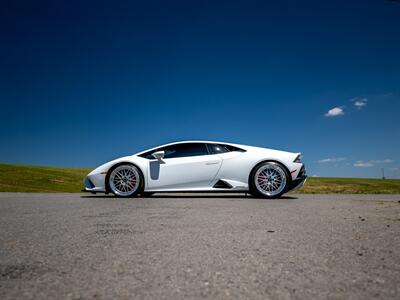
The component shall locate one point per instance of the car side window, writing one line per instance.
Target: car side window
(233, 148)
(191, 149)
(185, 150)
(217, 148)
(179, 150)
(222, 148)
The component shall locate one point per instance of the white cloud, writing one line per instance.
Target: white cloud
(331, 160)
(362, 164)
(360, 103)
(334, 112)
(382, 161)
(371, 163)
(387, 95)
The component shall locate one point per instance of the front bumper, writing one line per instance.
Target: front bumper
(93, 183)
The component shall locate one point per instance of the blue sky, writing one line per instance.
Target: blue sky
(84, 82)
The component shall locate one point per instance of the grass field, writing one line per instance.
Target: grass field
(325, 185)
(21, 178)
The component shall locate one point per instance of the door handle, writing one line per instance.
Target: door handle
(212, 162)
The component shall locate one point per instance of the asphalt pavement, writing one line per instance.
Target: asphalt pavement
(75, 246)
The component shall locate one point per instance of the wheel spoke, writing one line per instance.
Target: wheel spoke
(270, 179)
(124, 180)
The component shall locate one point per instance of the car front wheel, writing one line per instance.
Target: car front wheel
(125, 180)
(268, 180)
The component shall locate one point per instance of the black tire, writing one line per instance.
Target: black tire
(138, 190)
(255, 191)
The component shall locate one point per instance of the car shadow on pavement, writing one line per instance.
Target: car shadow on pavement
(191, 196)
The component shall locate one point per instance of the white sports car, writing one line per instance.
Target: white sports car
(200, 166)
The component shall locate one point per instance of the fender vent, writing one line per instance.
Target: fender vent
(222, 185)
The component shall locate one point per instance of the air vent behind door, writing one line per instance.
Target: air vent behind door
(222, 185)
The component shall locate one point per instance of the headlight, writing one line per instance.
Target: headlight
(298, 159)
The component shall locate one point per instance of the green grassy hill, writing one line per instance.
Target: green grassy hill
(324, 185)
(21, 178)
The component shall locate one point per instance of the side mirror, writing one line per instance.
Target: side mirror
(158, 155)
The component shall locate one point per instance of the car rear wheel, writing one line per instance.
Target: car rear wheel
(125, 180)
(269, 180)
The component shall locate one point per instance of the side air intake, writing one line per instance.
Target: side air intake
(222, 185)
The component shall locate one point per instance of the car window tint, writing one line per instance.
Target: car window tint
(184, 150)
(191, 149)
(233, 148)
(217, 148)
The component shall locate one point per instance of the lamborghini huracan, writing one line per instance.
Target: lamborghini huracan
(200, 166)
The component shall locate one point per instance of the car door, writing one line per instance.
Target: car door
(184, 166)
